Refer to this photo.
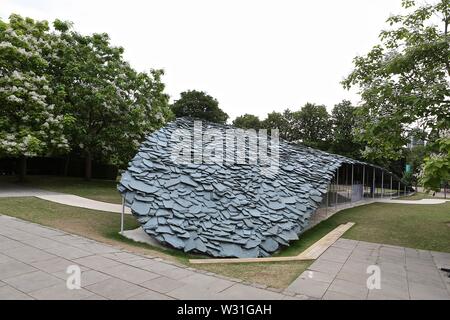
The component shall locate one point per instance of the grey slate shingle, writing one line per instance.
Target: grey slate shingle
(227, 209)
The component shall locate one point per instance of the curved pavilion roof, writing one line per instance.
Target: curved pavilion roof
(225, 209)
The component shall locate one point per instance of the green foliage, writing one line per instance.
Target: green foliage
(109, 106)
(62, 90)
(312, 126)
(345, 122)
(198, 104)
(276, 120)
(436, 168)
(415, 155)
(403, 81)
(247, 121)
(30, 124)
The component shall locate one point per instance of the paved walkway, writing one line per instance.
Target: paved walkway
(421, 201)
(441, 194)
(34, 260)
(76, 201)
(11, 190)
(341, 273)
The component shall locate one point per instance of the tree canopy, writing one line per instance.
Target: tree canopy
(345, 121)
(61, 90)
(312, 126)
(199, 104)
(276, 120)
(30, 124)
(247, 121)
(436, 167)
(403, 80)
(113, 105)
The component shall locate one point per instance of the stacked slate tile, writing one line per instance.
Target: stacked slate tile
(224, 209)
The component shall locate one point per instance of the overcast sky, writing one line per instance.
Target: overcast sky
(254, 56)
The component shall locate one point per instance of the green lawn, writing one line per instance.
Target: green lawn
(415, 226)
(101, 190)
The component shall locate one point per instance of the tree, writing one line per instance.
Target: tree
(312, 126)
(29, 124)
(276, 120)
(403, 81)
(200, 105)
(344, 121)
(436, 168)
(113, 105)
(247, 121)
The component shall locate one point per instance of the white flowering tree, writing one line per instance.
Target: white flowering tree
(113, 105)
(30, 124)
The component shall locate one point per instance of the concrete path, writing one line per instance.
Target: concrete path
(421, 201)
(76, 201)
(341, 273)
(34, 260)
(441, 194)
(11, 190)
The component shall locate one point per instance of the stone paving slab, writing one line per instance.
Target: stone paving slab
(33, 266)
(341, 273)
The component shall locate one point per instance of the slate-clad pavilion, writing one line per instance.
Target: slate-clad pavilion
(227, 209)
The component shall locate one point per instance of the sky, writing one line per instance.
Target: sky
(253, 56)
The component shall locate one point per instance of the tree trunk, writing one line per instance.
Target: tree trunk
(66, 166)
(88, 166)
(22, 168)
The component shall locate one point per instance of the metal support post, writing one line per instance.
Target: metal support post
(391, 193)
(373, 184)
(122, 215)
(363, 180)
(337, 186)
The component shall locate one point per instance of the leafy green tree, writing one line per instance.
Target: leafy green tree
(436, 168)
(113, 105)
(344, 121)
(276, 120)
(247, 121)
(198, 104)
(403, 81)
(312, 126)
(30, 124)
